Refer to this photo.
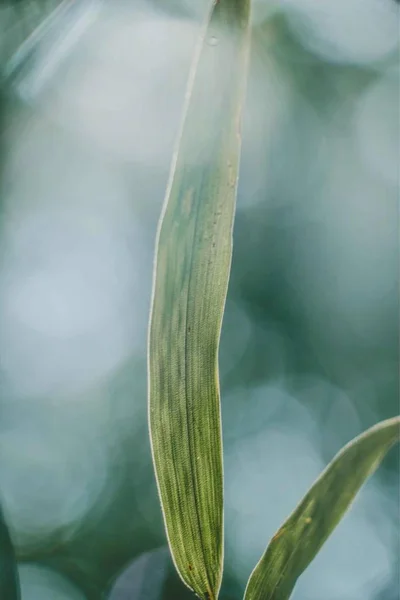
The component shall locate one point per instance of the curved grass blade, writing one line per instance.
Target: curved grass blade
(300, 538)
(9, 583)
(193, 257)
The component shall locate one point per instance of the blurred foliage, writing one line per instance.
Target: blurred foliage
(309, 354)
(9, 587)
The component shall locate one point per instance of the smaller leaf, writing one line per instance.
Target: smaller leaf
(9, 583)
(300, 538)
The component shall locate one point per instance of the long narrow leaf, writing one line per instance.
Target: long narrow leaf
(193, 257)
(9, 583)
(300, 538)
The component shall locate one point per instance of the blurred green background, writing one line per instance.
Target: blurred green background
(90, 106)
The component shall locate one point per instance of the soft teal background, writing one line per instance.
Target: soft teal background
(309, 353)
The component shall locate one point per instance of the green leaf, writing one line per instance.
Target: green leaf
(300, 538)
(9, 583)
(193, 257)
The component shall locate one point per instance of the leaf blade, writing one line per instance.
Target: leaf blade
(298, 540)
(194, 248)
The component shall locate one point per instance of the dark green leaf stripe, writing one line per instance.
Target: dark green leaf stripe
(9, 584)
(193, 257)
(300, 538)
